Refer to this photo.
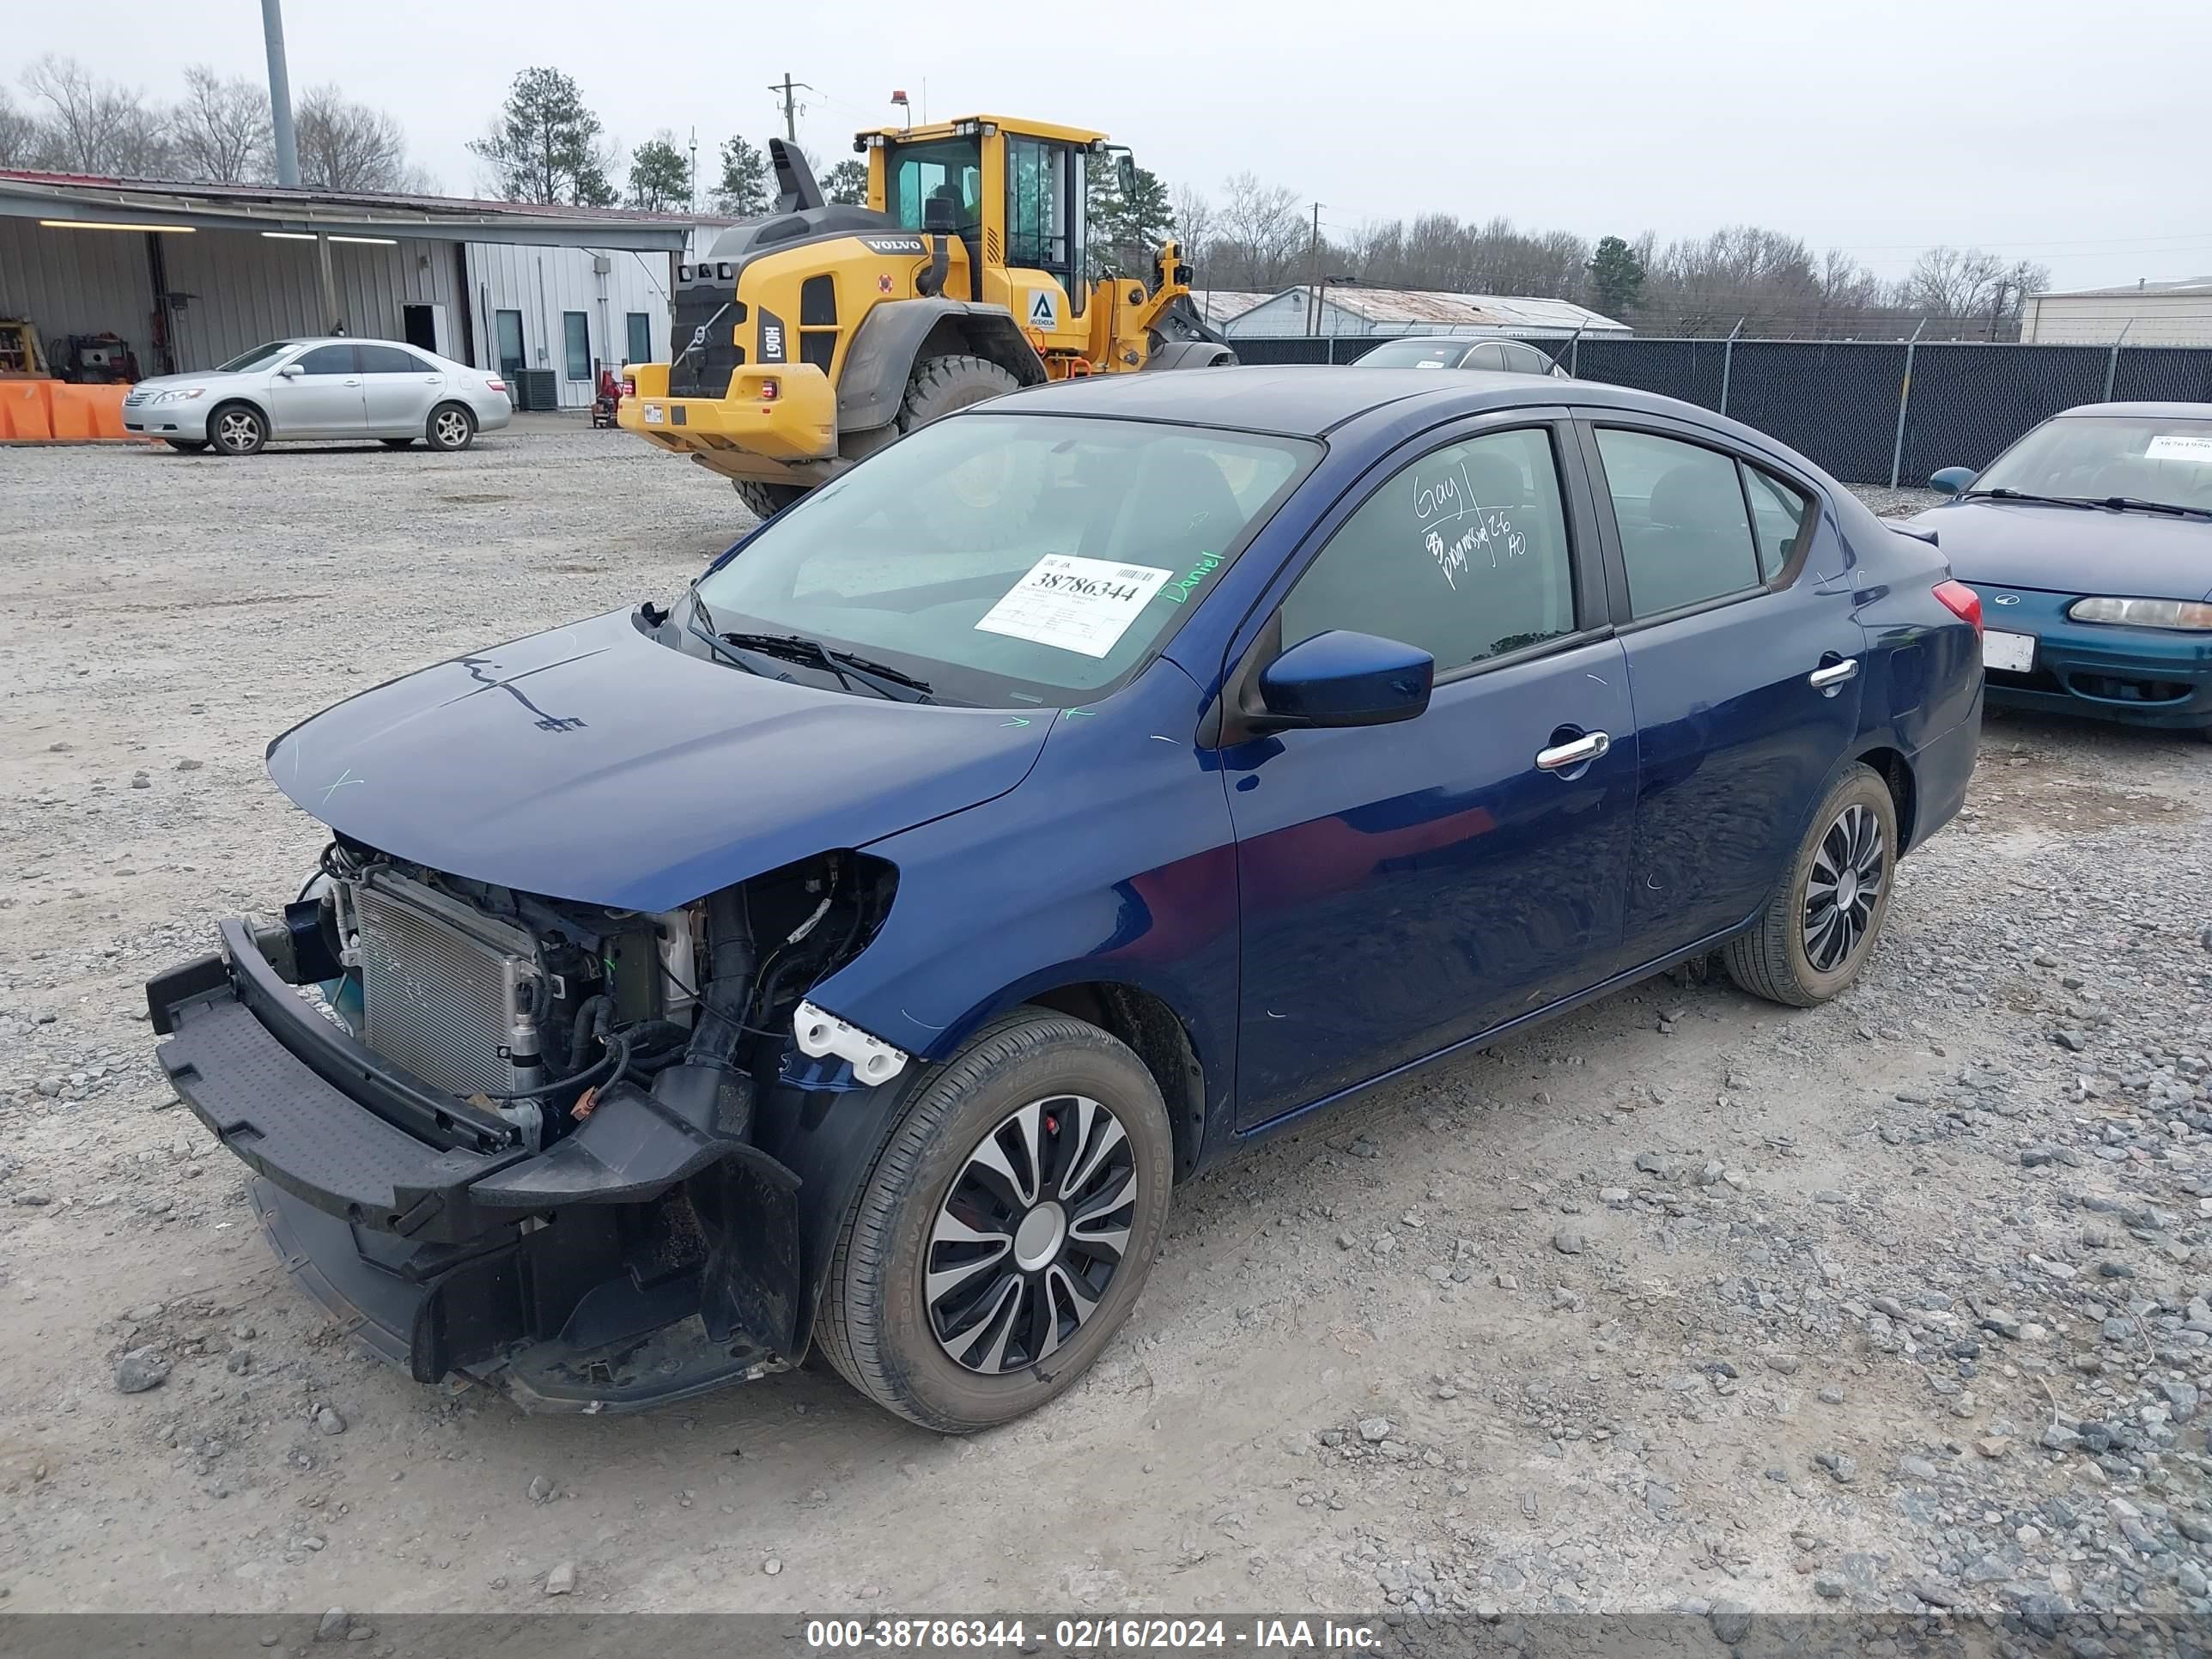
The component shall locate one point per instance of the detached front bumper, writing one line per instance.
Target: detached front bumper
(2149, 676)
(573, 1280)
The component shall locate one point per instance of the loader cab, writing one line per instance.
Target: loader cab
(1016, 189)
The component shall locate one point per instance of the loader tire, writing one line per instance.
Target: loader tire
(987, 501)
(765, 501)
(940, 385)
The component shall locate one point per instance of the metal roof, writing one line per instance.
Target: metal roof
(1406, 304)
(1218, 305)
(2131, 290)
(81, 199)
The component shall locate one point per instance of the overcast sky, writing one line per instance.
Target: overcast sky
(2070, 133)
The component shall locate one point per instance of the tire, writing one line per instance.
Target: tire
(1793, 955)
(765, 501)
(396, 443)
(451, 428)
(186, 445)
(986, 502)
(879, 1325)
(238, 430)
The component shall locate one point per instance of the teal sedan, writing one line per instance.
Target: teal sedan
(2090, 541)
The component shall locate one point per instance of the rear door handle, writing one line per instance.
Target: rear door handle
(1834, 673)
(1562, 757)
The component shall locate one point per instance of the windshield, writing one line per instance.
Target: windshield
(255, 358)
(2147, 457)
(1005, 559)
(950, 168)
(1415, 353)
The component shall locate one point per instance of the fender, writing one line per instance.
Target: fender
(891, 336)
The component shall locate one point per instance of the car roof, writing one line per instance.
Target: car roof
(2156, 411)
(1308, 400)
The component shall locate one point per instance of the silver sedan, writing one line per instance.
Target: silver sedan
(321, 388)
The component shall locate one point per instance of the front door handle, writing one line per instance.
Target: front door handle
(1565, 757)
(1834, 673)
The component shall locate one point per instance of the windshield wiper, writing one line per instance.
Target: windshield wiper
(692, 625)
(880, 678)
(2025, 496)
(2136, 504)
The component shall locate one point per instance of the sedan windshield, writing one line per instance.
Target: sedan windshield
(255, 358)
(1002, 558)
(2136, 458)
(1415, 353)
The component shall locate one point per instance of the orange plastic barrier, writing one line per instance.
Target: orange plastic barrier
(24, 411)
(65, 413)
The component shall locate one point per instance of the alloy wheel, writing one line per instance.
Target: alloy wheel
(237, 431)
(1843, 888)
(1030, 1234)
(451, 428)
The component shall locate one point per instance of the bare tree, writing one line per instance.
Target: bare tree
(349, 146)
(1262, 233)
(1197, 226)
(19, 135)
(95, 126)
(221, 128)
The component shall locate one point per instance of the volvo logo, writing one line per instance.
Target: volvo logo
(2006, 598)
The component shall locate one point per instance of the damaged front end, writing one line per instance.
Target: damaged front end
(517, 1138)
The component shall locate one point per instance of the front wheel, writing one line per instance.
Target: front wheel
(1820, 926)
(238, 430)
(1006, 1229)
(451, 428)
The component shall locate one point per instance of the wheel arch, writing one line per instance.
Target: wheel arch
(895, 335)
(1156, 1034)
(1896, 771)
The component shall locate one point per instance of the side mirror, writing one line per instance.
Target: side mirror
(1951, 480)
(938, 217)
(1344, 678)
(292, 371)
(1125, 173)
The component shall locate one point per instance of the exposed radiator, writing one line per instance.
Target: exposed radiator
(441, 983)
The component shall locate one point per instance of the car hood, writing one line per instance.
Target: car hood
(199, 377)
(2069, 549)
(594, 763)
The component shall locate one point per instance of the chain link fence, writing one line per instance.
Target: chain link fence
(1868, 411)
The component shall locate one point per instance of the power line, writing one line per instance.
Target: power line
(785, 87)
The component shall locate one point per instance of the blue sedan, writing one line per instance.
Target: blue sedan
(2091, 542)
(854, 953)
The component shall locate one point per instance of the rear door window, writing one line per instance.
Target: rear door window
(1685, 533)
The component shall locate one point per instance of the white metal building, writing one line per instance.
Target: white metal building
(2145, 313)
(189, 275)
(1220, 305)
(1347, 308)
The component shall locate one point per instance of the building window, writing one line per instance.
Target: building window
(641, 336)
(576, 333)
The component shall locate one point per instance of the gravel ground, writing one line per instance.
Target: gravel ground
(1685, 1302)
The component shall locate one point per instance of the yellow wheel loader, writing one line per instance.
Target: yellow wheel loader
(807, 340)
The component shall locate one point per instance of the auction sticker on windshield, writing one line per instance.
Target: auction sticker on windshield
(1076, 603)
(2177, 447)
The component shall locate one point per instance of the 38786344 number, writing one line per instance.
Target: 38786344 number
(922, 1635)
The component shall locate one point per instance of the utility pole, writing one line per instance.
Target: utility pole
(783, 89)
(693, 204)
(1313, 273)
(280, 94)
(1996, 307)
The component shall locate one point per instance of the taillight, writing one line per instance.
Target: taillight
(629, 387)
(1962, 602)
(770, 391)
(496, 386)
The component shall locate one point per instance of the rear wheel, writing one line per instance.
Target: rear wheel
(186, 445)
(1820, 926)
(765, 501)
(451, 428)
(238, 430)
(1006, 1229)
